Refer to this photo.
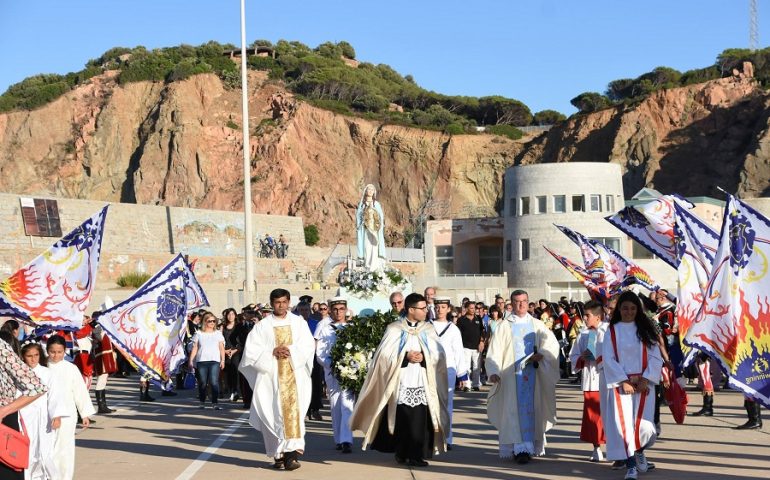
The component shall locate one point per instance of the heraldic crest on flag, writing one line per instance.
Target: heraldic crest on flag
(733, 325)
(149, 327)
(55, 288)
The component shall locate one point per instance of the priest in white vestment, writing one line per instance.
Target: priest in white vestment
(523, 364)
(456, 362)
(402, 406)
(277, 362)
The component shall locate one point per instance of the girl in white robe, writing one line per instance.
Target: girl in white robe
(74, 396)
(41, 418)
(632, 364)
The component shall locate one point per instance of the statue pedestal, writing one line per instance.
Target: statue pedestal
(367, 306)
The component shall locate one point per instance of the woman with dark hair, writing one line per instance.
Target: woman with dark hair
(632, 362)
(19, 386)
(69, 384)
(41, 418)
(232, 355)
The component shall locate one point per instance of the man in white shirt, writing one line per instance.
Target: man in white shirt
(341, 402)
(456, 362)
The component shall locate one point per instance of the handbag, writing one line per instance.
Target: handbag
(676, 396)
(189, 381)
(14, 446)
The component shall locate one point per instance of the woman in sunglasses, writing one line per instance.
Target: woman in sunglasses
(208, 357)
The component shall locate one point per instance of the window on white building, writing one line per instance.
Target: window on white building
(512, 207)
(596, 203)
(524, 206)
(609, 204)
(524, 249)
(508, 251)
(490, 259)
(578, 203)
(542, 204)
(559, 203)
(445, 260)
(612, 242)
(640, 252)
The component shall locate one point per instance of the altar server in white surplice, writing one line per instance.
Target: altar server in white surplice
(523, 364)
(68, 381)
(41, 417)
(456, 362)
(341, 401)
(632, 363)
(277, 361)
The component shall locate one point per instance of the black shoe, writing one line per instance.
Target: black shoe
(466, 389)
(338, 446)
(476, 389)
(168, 393)
(448, 447)
(418, 463)
(290, 461)
(400, 460)
(316, 415)
(522, 458)
(347, 447)
(278, 463)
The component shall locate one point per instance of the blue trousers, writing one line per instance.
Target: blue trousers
(208, 373)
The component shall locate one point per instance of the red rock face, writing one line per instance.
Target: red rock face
(181, 144)
(688, 140)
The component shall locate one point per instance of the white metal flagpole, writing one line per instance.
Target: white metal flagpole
(249, 284)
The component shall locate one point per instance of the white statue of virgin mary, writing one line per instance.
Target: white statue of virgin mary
(370, 223)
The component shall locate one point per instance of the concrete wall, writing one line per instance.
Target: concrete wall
(142, 238)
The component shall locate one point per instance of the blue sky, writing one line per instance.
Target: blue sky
(542, 52)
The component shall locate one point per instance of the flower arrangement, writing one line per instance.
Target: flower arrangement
(365, 283)
(355, 347)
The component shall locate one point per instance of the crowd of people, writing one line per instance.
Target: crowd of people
(277, 361)
(269, 247)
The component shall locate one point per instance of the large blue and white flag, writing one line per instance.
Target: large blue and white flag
(149, 327)
(733, 325)
(55, 288)
(652, 226)
(196, 297)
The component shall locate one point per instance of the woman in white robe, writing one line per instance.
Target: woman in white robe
(73, 393)
(41, 418)
(632, 363)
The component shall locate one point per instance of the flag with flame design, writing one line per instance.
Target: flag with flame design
(196, 297)
(733, 325)
(149, 327)
(596, 291)
(55, 288)
(652, 226)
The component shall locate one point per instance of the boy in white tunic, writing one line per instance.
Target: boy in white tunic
(277, 362)
(341, 402)
(456, 362)
(632, 363)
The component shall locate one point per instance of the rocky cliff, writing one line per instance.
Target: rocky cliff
(689, 140)
(180, 144)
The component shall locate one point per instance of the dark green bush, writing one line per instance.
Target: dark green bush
(311, 235)
(506, 131)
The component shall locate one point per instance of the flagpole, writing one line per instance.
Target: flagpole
(249, 287)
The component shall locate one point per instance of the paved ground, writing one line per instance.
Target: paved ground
(172, 439)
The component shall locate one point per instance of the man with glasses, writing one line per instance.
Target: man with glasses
(430, 296)
(277, 362)
(523, 365)
(402, 406)
(397, 302)
(341, 401)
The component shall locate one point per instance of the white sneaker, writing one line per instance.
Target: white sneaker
(596, 455)
(631, 474)
(642, 464)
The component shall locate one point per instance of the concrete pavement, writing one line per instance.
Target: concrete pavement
(172, 438)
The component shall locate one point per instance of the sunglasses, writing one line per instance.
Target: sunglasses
(323, 308)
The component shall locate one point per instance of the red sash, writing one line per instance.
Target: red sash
(642, 396)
